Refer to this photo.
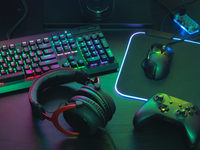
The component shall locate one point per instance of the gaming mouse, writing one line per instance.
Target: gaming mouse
(156, 65)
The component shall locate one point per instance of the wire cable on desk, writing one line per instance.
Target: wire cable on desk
(182, 40)
(13, 28)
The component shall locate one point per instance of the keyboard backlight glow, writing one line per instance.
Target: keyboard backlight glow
(2, 84)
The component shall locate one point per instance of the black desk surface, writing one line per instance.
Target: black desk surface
(18, 131)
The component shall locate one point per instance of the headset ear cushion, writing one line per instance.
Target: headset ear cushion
(108, 101)
(86, 118)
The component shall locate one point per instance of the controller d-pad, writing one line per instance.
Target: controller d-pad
(158, 99)
(164, 108)
(182, 112)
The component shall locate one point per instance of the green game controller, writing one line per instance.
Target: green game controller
(173, 110)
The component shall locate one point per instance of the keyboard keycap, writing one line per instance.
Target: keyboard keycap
(31, 43)
(1, 60)
(29, 73)
(39, 53)
(45, 68)
(70, 58)
(93, 60)
(54, 66)
(62, 36)
(66, 64)
(33, 48)
(11, 52)
(24, 44)
(44, 46)
(35, 59)
(17, 57)
(19, 68)
(59, 50)
(104, 57)
(26, 67)
(46, 40)
(38, 71)
(101, 35)
(4, 47)
(10, 70)
(73, 64)
(32, 54)
(9, 59)
(49, 62)
(48, 51)
(34, 65)
(39, 41)
(80, 62)
(55, 38)
(48, 57)
(5, 66)
(13, 64)
(104, 43)
(3, 72)
(110, 55)
(20, 62)
(28, 61)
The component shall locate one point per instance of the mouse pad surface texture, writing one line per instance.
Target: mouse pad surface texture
(183, 80)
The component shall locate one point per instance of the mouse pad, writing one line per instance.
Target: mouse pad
(183, 80)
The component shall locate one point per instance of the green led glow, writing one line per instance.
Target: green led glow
(78, 48)
(82, 67)
(191, 135)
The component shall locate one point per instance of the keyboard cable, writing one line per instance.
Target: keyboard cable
(13, 28)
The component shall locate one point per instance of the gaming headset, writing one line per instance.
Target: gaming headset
(86, 111)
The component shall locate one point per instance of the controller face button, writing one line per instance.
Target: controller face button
(187, 108)
(180, 105)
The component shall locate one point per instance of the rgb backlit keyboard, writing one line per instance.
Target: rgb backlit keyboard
(24, 59)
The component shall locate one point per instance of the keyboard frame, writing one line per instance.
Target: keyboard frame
(77, 31)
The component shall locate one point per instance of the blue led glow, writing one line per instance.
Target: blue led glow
(189, 41)
(169, 49)
(117, 91)
(178, 39)
(122, 64)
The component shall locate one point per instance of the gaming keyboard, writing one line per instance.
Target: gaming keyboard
(24, 59)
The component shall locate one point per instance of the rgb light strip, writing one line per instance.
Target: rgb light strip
(122, 64)
(117, 91)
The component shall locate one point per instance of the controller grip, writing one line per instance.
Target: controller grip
(142, 116)
(192, 131)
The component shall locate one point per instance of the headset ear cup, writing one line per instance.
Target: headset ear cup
(87, 92)
(86, 118)
(108, 101)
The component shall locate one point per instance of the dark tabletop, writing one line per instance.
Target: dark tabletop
(18, 129)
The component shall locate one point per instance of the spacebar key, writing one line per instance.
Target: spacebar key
(48, 62)
(12, 77)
